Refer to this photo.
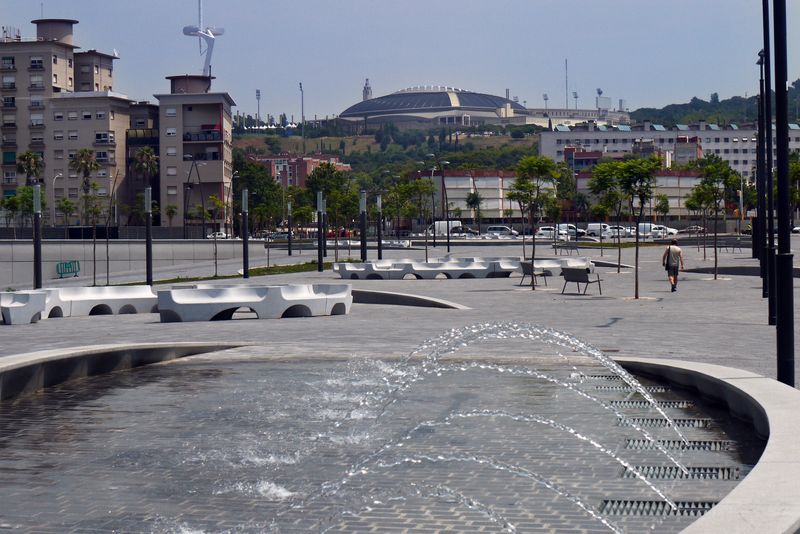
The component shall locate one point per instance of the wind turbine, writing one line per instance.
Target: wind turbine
(207, 34)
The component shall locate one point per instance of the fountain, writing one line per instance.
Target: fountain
(463, 432)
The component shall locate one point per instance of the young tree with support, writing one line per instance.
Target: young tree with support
(606, 186)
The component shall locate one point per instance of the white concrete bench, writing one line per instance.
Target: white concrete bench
(103, 300)
(371, 271)
(267, 302)
(22, 307)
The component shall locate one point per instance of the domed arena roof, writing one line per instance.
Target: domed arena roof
(427, 100)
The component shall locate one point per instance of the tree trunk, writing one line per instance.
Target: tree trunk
(533, 249)
(716, 249)
(619, 244)
(636, 260)
(94, 253)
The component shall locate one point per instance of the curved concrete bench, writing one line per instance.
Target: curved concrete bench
(22, 307)
(267, 302)
(384, 270)
(104, 300)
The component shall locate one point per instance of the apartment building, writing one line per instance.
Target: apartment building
(196, 149)
(291, 169)
(55, 101)
(735, 144)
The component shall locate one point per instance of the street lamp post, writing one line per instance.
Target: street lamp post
(783, 262)
(187, 190)
(229, 212)
(379, 226)
(148, 233)
(759, 244)
(245, 236)
(320, 238)
(289, 223)
(769, 184)
(37, 236)
(302, 117)
(362, 224)
(445, 205)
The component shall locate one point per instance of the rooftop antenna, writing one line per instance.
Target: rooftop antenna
(207, 34)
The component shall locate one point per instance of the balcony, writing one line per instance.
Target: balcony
(104, 142)
(9, 86)
(36, 67)
(8, 126)
(36, 87)
(106, 161)
(7, 106)
(8, 67)
(36, 143)
(36, 105)
(207, 136)
(9, 143)
(36, 126)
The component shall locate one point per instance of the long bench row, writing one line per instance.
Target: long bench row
(192, 303)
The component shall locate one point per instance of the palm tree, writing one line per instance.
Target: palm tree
(31, 164)
(85, 163)
(145, 162)
(171, 210)
(474, 202)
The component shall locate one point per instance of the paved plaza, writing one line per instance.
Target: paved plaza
(720, 321)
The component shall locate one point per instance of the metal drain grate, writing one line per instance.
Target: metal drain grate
(643, 404)
(603, 377)
(649, 389)
(656, 508)
(660, 422)
(671, 472)
(676, 444)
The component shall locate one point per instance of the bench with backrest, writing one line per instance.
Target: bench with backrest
(580, 275)
(528, 269)
(103, 300)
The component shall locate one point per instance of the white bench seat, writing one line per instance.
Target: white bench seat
(22, 307)
(102, 300)
(267, 302)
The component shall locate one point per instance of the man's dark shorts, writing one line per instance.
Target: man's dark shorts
(672, 270)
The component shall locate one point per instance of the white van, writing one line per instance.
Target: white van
(650, 230)
(598, 230)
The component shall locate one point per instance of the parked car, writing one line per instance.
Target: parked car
(463, 231)
(501, 230)
(621, 231)
(570, 228)
(279, 236)
(796, 230)
(598, 229)
(546, 232)
(694, 229)
(217, 235)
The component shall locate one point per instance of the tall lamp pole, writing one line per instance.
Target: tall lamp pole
(362, 224)
(289, 219)
(245, 235)
(783, 261)
(53, 208)
(379, 226)
(320, 238)
(302, 117)
(759, 229)
(770, 220)
(37, 236)
(148, 234)
(445, 206)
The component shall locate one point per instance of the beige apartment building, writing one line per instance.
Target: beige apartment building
(56, 101)
(196, 145)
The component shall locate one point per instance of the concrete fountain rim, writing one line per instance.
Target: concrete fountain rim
(767, 500)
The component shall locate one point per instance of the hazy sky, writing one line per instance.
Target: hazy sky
(649, 53)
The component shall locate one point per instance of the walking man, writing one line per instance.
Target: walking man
(672, 260)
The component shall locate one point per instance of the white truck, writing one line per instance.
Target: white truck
(439, 228)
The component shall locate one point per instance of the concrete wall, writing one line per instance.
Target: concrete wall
(16, 257)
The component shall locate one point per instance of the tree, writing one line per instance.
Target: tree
(638, 177)
(145, 162)
(85, 163)
(11, 206)
(24, 198)
(534, 174)
(31, 164)
(68, 208)
(171, 210)
(217, 207)
(606, 186)
(474, 202)
(662, 205)
(717, 179)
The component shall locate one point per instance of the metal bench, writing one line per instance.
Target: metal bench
(528, 270)
(580, 275)
(64, 268)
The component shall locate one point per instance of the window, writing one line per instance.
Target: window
(58, 154)
(69, 62)
(37, 82)
(37, 119)
(111, 115)
(735, 150)
(9, 102)
(9, 82)
(58, 192)
(72, 115)
(73, 135)
(171, 112)
(172, 189)
(58, 116)
(85, 86)
(7, 63)
(101, 156)
(55, 59)
(100, 115)
(55, 79)
(102, 173)
(37, 138)
(172, 171)
(96, 69)
(726, 151)
(9, 177)
(140, 123)
(69, 81)
(37, 62)
(84, 69)
(172, 151)
(110, 74)
(9, 120)
(37, 101)
(71, 155)
(716, 139)
(102, 191)
(744, 151)
(9, 158)
(58, 135)
(171, 132)
(726, 139)
(736, 162)
(86, 115)
(97, 87)
(73, 192)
